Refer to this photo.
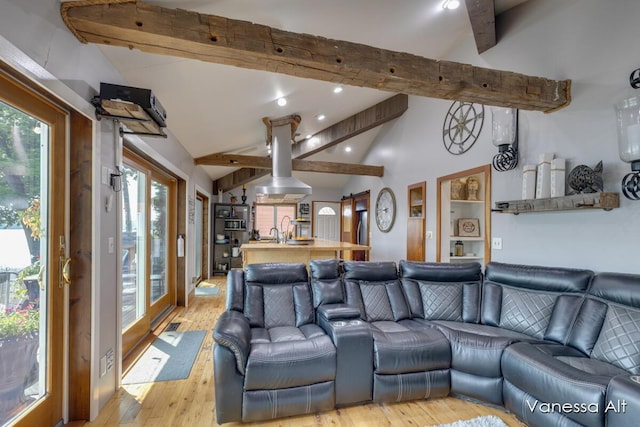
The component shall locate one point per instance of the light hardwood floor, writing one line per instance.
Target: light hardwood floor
(191, 402)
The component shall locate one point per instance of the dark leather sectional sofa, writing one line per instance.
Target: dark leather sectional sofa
(555, 346)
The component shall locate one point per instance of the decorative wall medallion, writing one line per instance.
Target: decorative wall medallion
(462, 126)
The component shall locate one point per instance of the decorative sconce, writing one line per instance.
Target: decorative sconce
(628, 113)
(505, 136)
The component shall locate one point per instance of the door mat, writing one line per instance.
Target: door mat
(485, 421)
(170, 357)
(208, 291)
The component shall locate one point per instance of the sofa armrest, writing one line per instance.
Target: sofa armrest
(331, 312)
(233, 331)
(622, 404)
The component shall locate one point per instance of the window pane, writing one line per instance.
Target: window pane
(24, 201)
(278, 216)
(133, 245)
(159, 239)
(284, 215)
(264, 219)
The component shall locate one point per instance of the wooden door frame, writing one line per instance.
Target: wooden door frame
(153, 172)
(48, 410)
(205, 235)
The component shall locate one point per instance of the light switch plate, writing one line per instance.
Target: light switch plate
(496, 243)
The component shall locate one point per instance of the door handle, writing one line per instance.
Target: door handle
(66, 271)
(64, 277)
(41, 278)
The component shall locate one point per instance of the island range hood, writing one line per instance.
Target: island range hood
(281, 187)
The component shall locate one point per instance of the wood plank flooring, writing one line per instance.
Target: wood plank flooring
(190, 402)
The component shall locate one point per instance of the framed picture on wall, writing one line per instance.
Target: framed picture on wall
(469, 227)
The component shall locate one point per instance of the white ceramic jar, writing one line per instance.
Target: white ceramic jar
(528, 182)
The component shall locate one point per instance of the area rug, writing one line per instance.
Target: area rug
(170, 357)
(208, 291)
(486, 421)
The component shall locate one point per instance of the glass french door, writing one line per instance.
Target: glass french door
(148, 254)
(33, 207)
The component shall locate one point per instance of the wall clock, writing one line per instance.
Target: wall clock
(462, 126)
(385, 209)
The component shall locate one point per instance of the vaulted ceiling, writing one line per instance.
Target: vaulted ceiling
(215, 108)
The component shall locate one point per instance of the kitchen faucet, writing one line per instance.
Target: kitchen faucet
(285, 234)
(277, 234)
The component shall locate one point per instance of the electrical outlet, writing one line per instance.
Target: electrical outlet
(496, 243)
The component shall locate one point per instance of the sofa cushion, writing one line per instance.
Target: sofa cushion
(619, 340)
(525, 311)
(545, 375)
(375, 290)
(438, 291)
(326, 283)
(277, 294)
(541, 302)
(401, 347)
(283, 357)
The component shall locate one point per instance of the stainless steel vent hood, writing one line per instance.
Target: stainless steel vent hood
(281, 187)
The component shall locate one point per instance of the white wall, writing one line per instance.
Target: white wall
(591, 42)
(35, 41)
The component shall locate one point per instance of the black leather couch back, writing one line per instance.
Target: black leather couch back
(608, 325)
(541, 302)
(326, 283)
(375, 289)
(277, 294)
(438, 291)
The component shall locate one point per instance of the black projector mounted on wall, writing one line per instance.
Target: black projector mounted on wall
(137, 109)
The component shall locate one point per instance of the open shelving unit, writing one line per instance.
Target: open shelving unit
(451, 210)
(605, 201)
(229, 220)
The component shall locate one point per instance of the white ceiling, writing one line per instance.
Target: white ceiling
(215, 108)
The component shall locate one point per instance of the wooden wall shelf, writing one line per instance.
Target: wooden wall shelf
(606, 201)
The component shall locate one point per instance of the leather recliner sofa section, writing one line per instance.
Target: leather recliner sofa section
(603, 345)
(271, 359)
(523, 337)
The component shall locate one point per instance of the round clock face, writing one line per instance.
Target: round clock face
(385, 209)
(462, 126)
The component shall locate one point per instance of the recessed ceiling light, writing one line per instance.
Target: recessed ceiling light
(347, 149)
(320, 117)
(337, 89)
(282, 101)
(308, 136)
(314, 140)
(451, 4)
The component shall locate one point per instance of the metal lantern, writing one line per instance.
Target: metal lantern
(504, 126)
(628, 114)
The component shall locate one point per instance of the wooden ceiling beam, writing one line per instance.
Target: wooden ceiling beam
(363, 121)
(237, 160)
(482, 14)
(137, 25)
(382, 112)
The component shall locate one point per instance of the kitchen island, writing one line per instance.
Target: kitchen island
(260, 251)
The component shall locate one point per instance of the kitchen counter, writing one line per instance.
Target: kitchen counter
(259, 252)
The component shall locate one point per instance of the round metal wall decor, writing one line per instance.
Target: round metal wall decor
(462, 126)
